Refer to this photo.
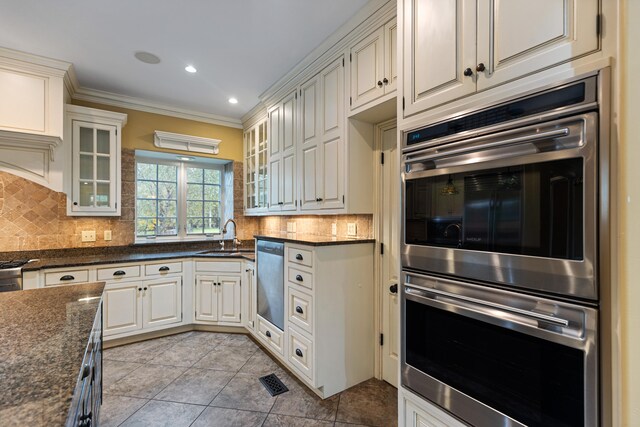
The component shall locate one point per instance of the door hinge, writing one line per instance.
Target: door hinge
(343, 61)
(343, 198)
(403, 103)
(382, 158)
(350, 58)
(381, 248)
(598, 24)
(350, 101)
(381, 339)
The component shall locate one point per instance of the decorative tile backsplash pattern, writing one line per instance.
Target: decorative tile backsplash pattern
(33, 217)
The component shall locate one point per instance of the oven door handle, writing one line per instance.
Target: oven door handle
(558, 133)
(531, 314)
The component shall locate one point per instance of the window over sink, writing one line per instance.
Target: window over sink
(180, 197)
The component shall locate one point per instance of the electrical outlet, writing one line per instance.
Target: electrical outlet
(291, 227)
(351, 229)
(89, 236)
(107, 234)
(334, 229)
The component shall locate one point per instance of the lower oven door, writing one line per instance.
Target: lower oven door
(497, 358)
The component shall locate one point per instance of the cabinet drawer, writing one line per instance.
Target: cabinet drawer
(119, 272)
(300, 307)
(300, 277)
(300, 256)
(222, 266)
(300, 353)
(162, 268)
(66, 277)
(271, 334)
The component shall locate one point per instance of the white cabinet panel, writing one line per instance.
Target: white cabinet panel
(391, 55)
(275, 183)
(300, 353)
(519, 37)
(229, 299)
(162, 301)
(367, 68)
(440, 37)
(311, 172)
(206, 299)
(288, 123)
(23, 101)
(288, 199)
(122, 310)
(333, 173)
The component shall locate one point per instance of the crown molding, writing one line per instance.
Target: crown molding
(36, 63)
(254, 115)
(21, 140)
(139, 104)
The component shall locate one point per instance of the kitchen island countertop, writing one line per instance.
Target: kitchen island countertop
(43, 337)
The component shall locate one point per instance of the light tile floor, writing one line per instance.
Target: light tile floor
(210, 379)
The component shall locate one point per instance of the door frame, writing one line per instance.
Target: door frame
(379, 130)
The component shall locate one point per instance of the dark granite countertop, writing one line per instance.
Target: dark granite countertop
(312, 240)
(43, 337)
(112, 258)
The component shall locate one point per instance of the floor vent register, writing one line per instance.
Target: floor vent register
(273, 384)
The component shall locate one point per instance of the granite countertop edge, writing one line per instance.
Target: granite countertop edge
(313, 240)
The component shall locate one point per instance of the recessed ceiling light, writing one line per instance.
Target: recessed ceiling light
(147, 57)
(190, 69)
(233, 101)
(185, 158)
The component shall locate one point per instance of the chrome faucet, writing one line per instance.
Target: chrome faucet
(236, 242)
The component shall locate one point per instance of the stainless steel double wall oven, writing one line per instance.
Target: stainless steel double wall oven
(502, 209)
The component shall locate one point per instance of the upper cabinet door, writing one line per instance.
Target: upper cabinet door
(439, 45)
(367, 69)
(309, 143)
(274, 130)
(288, 136)
(391, 56)
(520, 37)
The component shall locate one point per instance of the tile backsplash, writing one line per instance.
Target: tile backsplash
(33, 217)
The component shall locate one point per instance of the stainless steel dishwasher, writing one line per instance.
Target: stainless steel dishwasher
(270, 266)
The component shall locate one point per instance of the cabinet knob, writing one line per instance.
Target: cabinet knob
(468, 72)
(318, 199)
(75, 203)
(268, 334)
(281, 203)
(139, 289)
(299, 309)
(299, 278)
(480, 67)
(379, 83)
(67, 277)
(298, 352)
(385, 81)
(144, 289)
(393, 288)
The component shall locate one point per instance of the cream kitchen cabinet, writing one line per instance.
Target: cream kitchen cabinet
(454, 48)
(321, 141)
(218, 299)
(374, 68)
(256, 191)
(329, 328)
(414, 411)
(282, 119)
(95, 184)
(122, 309)
(249, 297)
(217, 294)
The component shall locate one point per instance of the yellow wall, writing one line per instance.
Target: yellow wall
(629, 213)
(138, 132)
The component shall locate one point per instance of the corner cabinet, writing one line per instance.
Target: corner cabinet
(457, 47)
(95, 138)
(217, 294)
(256, 191)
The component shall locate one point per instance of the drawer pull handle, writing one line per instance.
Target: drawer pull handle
(299, 257)
(119, 273)
(299, 278)
(67, 277)
(164, 268)
(299, 309)
(298, 352)
(268, 334)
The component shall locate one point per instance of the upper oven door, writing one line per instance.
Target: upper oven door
(516, 208)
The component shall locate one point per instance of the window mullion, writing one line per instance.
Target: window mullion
(182, 202)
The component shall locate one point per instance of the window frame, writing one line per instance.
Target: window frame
(181, 199)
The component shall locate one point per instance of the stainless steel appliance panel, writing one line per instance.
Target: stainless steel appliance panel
(270, 267)
(493, 357)
(493, 244)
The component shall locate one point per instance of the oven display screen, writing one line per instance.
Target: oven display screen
(534, 381)
(533, 209)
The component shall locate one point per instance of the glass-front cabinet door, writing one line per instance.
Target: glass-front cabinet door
(95, 167)
(93, 186)
(255, 168)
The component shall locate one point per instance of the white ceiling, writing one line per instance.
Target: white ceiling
(239, 47)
